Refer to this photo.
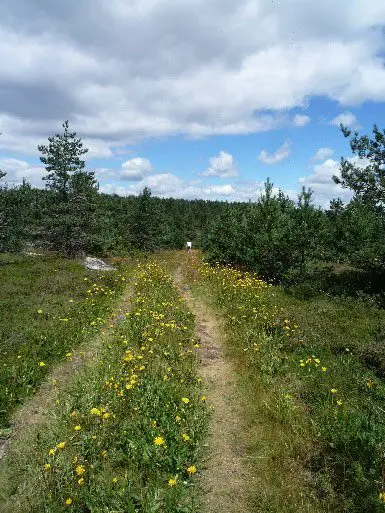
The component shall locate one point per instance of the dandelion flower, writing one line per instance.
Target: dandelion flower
(77, 428)
(69, 501)
(203, 398)
(185, 400)
(339, 402)
(47, 466)
(61, 445)
(41, 364)
(81, 481)
(95, 411)
(333, 390)
(158, 440)
(172, 482)
(80, 469)
(40, 311)
(192, 469)
(52, 452)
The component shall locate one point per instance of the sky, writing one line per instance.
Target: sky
(192, 98)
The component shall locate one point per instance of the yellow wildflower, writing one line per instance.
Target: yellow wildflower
(80, 469)
(185, 400)
(192, 469)
(77, 428)
(333, 390)
(158, 440)
(172, 482)
(185, 437)
(61, 445)
(95, 411)
(41, 364)
(47, 466)
(69, 501)
(81, 481)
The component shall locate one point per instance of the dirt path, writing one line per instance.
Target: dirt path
(225, 477)
(34, 410)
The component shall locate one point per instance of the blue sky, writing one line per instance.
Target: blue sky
(202, 98)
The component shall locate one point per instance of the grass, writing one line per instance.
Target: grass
(126, 435)
(48, 306)
(314, 400)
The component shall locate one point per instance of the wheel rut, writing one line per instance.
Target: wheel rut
(35, 410)
(225, 477)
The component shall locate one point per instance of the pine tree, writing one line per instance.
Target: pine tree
(368, 182)
(69, 218)
(145, 222)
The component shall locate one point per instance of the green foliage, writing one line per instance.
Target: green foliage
(273, 236)
(69, 218)
(368, 182)
(145, 223)
(62, 159)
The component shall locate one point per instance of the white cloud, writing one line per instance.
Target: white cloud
(135, 169)
(300, 120)
(320, 181)
(273, 158)
(169, 185)
(323, 154)
(222, 166)
(346, 118)
(147, 75)
(97, 148)
(18, 169)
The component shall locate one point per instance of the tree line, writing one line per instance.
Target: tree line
(279, 238)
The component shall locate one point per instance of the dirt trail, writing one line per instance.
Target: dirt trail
(225, 477)
(34, 410)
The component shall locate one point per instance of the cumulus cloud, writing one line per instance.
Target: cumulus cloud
(274, 158)
(323, 154)
(321, 182)
(135, 169)
(169, 185)
(147, 74)
(346, 118)
(18, 169)
(300, 120)
(223, 166)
